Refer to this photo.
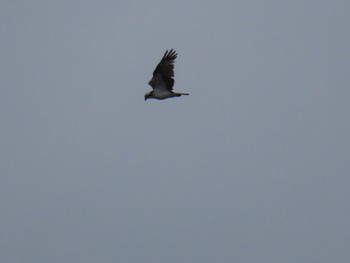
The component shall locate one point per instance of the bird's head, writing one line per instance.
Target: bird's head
(148, 95)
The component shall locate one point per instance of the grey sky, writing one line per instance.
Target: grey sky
(253, 166)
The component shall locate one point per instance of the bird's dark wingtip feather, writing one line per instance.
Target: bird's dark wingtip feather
(170, 54)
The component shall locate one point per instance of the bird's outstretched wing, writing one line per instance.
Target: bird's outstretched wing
(163, 75)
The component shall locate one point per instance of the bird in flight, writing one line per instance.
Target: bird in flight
(162, 81)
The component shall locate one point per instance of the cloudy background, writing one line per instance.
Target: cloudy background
(253, 166)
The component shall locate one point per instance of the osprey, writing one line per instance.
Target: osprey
(162, 81)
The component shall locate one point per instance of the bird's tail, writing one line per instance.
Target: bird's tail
(179, 94)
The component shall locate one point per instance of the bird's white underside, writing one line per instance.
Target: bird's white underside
(161, 94)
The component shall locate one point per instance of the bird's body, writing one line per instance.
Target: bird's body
(162, 95)
(162, 81)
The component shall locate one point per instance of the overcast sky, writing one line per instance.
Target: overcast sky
(253, 166)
